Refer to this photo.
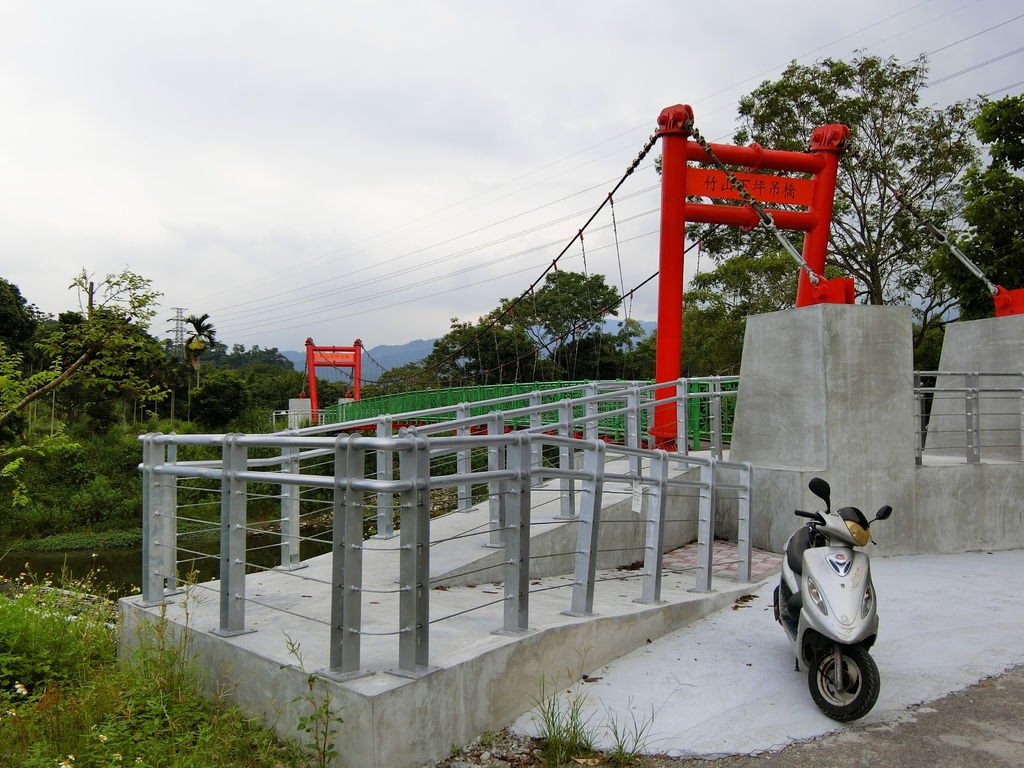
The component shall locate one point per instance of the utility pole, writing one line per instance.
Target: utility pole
(179, 331)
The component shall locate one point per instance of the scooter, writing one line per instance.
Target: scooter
(826, 603)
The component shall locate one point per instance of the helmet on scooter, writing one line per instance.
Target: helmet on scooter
(857, 525)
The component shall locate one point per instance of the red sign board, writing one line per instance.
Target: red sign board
(774, 190)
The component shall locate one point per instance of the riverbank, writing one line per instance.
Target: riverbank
(77, 541)
(65, 699)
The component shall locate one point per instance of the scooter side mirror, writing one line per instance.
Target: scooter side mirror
(822, 490)
(883, 513)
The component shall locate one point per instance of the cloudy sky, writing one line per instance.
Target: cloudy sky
(355, 169)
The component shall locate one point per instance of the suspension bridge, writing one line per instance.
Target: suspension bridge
(482, 542)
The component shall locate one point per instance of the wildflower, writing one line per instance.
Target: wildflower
(116, 757)
(12, 713)
(103, 739)
(20, 689)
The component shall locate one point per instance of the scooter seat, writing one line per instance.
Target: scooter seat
(798, 543)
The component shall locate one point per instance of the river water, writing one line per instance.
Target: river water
(121, 569)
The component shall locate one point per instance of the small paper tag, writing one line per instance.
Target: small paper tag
(638, 497)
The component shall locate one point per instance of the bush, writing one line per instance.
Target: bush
(65, 700)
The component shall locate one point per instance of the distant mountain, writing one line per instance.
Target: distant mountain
(393, 355)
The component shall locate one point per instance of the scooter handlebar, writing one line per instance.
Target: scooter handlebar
(815, 516)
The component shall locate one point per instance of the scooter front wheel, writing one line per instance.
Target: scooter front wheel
(850, 692)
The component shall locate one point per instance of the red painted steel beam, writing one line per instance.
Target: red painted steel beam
(744, 216)
(674, 129)
(311, 375)
(827, 143)
(756, 157)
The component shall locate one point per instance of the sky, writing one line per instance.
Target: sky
(342, 170)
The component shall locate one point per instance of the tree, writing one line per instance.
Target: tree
(568, 307)
(924, 151)
(718, 303)
(96, 341)
(995, 202)
(222, 398)
(203, 335)
(18, 318)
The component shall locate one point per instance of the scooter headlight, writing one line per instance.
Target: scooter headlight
(815, 594)
(869, 601)
(860, 534)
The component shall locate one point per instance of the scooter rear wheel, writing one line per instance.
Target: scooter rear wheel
(854, 694)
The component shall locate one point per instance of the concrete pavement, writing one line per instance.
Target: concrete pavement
(725, 684)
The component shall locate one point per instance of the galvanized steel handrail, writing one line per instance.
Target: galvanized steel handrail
(511, 472)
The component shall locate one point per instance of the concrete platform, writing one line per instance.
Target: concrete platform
(478, 680)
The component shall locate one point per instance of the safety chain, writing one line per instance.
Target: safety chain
(651, 141)
(913, 210)
(765, 218)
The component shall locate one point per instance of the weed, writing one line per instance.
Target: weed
(320, 723)
(564, 729)
(629, 740)
(64, 699)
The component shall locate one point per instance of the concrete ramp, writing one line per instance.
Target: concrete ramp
(479, 679)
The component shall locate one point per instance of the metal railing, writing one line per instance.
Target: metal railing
(709, 416)
(472, 458)
(969, 415)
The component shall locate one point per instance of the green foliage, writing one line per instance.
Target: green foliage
(629, 739)
(922, 150)
(995, 200)
(18, 318)
(105, 343)
(319, 720)
(38, 642)
(222, 398)
(65, 699)
(564, 728)
(58, 484)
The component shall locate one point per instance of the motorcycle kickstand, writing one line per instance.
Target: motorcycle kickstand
(796, 663)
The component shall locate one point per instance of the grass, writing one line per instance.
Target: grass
(564, 729)
(65, 699)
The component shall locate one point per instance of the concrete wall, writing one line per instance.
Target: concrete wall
(621, 536)
(827, 391)
(994, 345)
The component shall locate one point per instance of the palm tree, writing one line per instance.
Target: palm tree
(203, 335)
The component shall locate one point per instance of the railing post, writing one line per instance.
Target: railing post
(705, 528)
(587, 532)
(654, 539)
(517, 537)
(566, 462)
(744, 539)
(346, 559)
(385, 501)
(591, 410)
(920, 414)
(495, 498)
(1020, 411)
(716, 417)
(290, 506)
(536, 447)
(414, 561)
(463, 463)
(682, 404)
(168, 523)
(233, 500)
(633, 428)
(153, 500)
(972, 418)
